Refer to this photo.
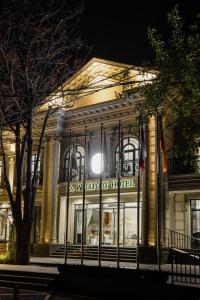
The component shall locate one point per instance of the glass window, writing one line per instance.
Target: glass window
(195, 221)
(78, 161)
(36, 225)
(127, 224)
(34, 158)
(126, 157)
(5, 219)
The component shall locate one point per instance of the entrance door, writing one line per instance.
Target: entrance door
(127, 224)
(108, 227)
(110, 224)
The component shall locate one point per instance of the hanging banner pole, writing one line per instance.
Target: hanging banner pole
(100, 198)
(138, 198)
(68, 188)
(83, 209)
(118, 194)
(158, 167)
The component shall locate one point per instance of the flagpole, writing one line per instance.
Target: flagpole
(158, 167)
(118, 194)
(68, 186)
(122, 153)
(83, 210)
(100, 198)
(138, 199)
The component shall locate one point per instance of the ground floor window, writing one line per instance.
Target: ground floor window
(128, 224)
(5, 219)
(195, 217)
(36, 225)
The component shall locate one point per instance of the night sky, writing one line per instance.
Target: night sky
(117, 30)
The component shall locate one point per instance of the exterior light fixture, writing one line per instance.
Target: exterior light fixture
(97, 164)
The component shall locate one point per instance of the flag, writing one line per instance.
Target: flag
(142, 150)
(87, 159)
(105, 155)
(163, 150)
(122, 153)
(74, 164)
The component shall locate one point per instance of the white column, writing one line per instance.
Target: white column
(11, 169)
(50, 183)
(172, 212)
(54, 189)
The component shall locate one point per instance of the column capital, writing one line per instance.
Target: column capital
(52, 137)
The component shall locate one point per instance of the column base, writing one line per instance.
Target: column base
(148, 255)
(45, 249)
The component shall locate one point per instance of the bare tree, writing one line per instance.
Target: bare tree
(40, 47)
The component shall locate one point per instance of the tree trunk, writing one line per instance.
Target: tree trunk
(23, 234)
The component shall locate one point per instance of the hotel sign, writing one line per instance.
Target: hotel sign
(106, 185)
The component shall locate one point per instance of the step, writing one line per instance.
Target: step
(28, 274)
(23, 278)
(26, 280)
(91, 252)
(24, 285)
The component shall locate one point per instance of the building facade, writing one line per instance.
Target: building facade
(89, 188)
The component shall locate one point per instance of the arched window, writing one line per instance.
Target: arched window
(77, 163)
(126, 157)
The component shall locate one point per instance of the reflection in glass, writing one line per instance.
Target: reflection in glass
(128, 224)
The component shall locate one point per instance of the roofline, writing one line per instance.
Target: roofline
(100, 60)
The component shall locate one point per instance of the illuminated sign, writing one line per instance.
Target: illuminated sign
(106, 185)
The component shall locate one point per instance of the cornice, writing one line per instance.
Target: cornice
(104, 112)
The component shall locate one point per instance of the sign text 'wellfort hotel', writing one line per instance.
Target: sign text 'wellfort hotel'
(106, 185)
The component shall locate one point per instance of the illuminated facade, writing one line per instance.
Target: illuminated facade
(98, 138)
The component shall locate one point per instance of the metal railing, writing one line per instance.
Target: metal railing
(184, 257)
(185, 267)
(183, 242)
(177, 166)
(127, 167)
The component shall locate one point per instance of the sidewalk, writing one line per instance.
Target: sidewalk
(51, 263)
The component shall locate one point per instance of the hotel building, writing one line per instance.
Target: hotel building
(87, 151)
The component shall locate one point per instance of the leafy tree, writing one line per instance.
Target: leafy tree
(176, 88)
(40, 47)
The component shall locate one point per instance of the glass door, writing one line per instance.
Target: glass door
(92, 225)
(108, 226)
(128, 224)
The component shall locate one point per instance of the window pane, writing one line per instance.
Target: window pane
(128, 147)
(129, 158)
(195, 204)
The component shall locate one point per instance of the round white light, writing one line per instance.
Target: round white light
(96, 163)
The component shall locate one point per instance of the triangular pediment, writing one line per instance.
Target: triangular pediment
(97, 81)
(97, 69)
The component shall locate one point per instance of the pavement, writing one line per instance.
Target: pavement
(50, 265)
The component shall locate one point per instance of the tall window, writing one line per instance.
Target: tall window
(80, 161)
(198, 161)
(34, 158)
(195, 221)
(126, 157)
(3, 226)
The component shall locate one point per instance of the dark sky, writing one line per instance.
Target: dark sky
(117, 30)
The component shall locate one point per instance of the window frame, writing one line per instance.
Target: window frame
(127, 142)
